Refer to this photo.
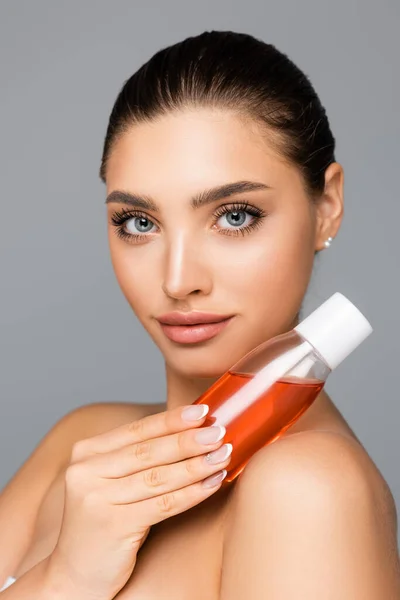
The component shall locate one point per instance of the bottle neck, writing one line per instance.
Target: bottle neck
(311, 367)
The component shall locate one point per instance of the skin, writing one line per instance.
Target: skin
(312, 498)
(195, 260)
(190, 259)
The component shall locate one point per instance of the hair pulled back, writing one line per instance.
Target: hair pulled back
(238, 72)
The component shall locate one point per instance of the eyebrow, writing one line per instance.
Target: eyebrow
(201, 199)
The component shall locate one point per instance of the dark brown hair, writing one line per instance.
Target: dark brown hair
(238, 72)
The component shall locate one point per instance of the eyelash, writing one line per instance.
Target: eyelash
(119, 218)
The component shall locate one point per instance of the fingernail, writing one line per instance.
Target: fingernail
(195, 412)
(215, 479)
(210, 435)
(213, 458)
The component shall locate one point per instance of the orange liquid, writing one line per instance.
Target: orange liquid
(263, 421)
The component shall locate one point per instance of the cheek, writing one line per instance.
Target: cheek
(265, 261)
(136, 280)
(268, 276)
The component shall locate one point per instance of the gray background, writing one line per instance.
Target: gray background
(68, 336)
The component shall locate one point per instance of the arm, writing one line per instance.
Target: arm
(311, 518)
(36, 584)
(32, 586)
(21, 498)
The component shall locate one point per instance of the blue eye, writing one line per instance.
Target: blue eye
(131, 226)
(236, 218)
(142, 225)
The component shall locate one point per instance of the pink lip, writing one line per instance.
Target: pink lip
(191, 318)
(194, 327)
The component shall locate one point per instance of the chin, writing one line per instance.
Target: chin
(209, 359)
(203, 362)
(211, 372)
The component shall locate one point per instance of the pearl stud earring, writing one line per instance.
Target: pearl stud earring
(328, 242)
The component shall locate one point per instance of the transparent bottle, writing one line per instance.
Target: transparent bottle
(269, 389)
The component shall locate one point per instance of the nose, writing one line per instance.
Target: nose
(187, 269)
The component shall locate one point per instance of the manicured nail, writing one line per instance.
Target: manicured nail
(210, 435)
(215, 479)
(213, 458)
(195, 412)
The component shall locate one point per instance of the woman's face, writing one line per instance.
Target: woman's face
(187, 242)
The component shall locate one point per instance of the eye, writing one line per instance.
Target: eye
(139, 225)
(132, 226)
(235, 219)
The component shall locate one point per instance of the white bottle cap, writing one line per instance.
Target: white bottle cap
(335, 329)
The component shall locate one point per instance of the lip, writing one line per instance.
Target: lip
(193, 327)
(191, 318)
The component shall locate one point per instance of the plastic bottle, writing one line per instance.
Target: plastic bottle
(265, 393)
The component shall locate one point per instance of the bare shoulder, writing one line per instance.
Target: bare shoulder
(312, 498)
(319, 462)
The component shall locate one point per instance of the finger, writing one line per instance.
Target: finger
(151, 426)
(155, 452)
(164, 479)
(154, 510)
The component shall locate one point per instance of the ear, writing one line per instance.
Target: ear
(329, 206)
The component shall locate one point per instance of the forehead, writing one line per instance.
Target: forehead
(187, 149)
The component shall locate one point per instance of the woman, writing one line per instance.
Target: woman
(222, 186)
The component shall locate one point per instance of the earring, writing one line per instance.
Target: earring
(328, 242)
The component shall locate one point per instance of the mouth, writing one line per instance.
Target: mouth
(193, 327)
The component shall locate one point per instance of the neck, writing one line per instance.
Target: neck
(182, 391)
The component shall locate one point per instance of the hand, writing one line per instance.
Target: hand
(120, 483)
